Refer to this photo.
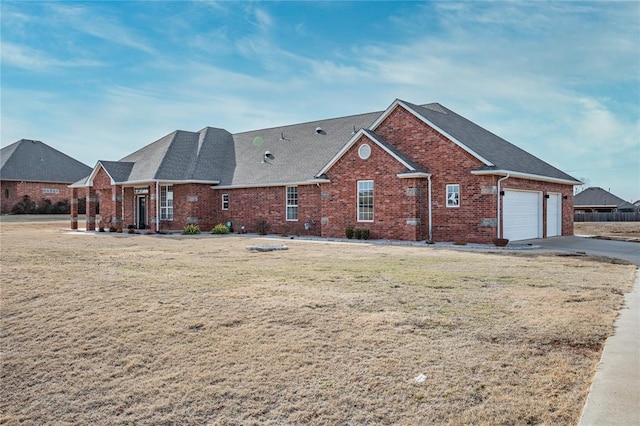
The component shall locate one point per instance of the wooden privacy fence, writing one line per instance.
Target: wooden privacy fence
(607, 217)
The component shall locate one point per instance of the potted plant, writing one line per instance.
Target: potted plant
(500, 242)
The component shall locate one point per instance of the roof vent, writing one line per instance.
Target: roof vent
(319, 131)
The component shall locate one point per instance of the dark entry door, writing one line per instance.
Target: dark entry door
(142, 212)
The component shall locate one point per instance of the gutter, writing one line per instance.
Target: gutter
(529, 176)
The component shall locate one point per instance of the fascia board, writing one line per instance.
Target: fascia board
(167, 182)
(398, 102)
(413, 175)
(273, 185)
(525, 176)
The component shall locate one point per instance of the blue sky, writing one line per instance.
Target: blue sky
(99, 80)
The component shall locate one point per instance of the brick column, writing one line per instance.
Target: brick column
(154, 198)
(91, 209)
(74, 208)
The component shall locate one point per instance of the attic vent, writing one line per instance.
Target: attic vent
(319, 131)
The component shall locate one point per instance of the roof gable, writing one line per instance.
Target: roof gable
(498, 155)
(35, 161)
(379, 141)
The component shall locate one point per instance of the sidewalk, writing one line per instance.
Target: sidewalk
(615, 393)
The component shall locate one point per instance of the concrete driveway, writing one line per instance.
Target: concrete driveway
(614, 398)
(619, 249)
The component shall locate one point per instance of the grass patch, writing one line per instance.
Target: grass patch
(159, 330)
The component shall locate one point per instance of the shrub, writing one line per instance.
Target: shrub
(262, 227)
(349, 231)
(362, 234)
(191, 229)
(26, 206)
(220, 228)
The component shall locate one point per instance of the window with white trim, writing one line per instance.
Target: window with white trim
(365, 201)
(166, 202)
(292, 203)
(225, 201)
(453, 195)
(50, 191)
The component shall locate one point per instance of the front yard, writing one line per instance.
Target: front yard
(114, 329)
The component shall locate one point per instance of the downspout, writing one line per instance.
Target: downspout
(157, 206)
(430, 214)
(499, 204)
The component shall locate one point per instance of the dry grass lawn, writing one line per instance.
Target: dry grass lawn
(615, 230)
(116, 329)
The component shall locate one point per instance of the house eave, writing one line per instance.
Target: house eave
(272, 184)
(414, 175)
(529, 176)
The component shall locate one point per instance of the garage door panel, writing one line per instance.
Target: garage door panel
(522, 215)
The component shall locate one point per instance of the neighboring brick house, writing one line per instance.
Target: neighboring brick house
(34, 169)
(410, 172)
(597, 200)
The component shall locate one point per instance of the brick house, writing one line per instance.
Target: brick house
(598, 200)
(411, 172)
(32, 168)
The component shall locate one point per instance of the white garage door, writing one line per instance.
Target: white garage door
(522, 215)
(554, 215)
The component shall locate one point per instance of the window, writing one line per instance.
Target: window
(292, 203)
(50, 191)
(364, 151)
(166, 202)
(6, 193)
(225, 201)
(453, 195)
(365, 201)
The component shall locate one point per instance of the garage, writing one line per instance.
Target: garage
(554, 215)
(522, 217)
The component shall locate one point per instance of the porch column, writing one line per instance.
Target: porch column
(92, 199)
(116, 214)
(74, 208)
(154, 199)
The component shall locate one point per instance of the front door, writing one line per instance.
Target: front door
(141, 212)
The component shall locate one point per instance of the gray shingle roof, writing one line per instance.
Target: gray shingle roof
(207, 156)
(35, 161)
(301, 150)
(594, 196)
(501, 154)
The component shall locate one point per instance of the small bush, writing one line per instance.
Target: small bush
(262, 227)
(362, 234)
(349, 232)
(220, 228)
(191, 229)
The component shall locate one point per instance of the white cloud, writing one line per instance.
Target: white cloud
(30, 59)
(100, 26)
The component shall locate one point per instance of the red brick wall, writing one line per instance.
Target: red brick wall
(475, 220)
(392, 206)
(249, 205)
(13, 192)
(546, 187)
